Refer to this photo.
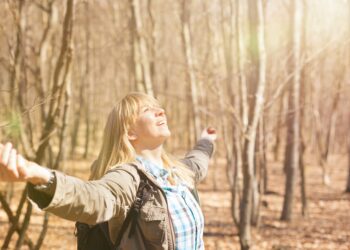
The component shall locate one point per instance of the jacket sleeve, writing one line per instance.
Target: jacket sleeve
(198, 158)
(90, 202)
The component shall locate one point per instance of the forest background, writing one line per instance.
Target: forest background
(272, 76)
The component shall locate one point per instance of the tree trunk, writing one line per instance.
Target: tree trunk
(25, 225)
(347, 189)
(241, 103)
(76, 123)
(136, 58)
(262, 158)
(292, 155)
(141, 48)
(324, 145)
(187, 45)
(87, 120)
(59, 81)
(255, 90)
(14, 222)
(236, 188)
(15, 227)
(303, 92)
(280, 115)
(62, 149)
(43, 231)
(16, 65)
(153, 49)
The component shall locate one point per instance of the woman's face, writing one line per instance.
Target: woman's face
(151, 128)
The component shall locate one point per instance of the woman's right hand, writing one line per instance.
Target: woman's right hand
(209, 133)
(14, 168)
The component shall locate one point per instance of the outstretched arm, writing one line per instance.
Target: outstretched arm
(198, 158)
(69, 197)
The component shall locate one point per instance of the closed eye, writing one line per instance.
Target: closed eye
(145, 109)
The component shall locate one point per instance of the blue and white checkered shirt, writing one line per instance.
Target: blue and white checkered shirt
(186, 215)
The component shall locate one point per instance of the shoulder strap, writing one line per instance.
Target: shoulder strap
(195, 194)
(143, 194)
(105, 230)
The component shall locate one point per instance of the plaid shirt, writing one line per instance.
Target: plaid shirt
(185, 213)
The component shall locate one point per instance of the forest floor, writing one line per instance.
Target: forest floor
(327, 226)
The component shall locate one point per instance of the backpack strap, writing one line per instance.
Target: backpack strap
(105, 231)
(194, 192)
(143, 194)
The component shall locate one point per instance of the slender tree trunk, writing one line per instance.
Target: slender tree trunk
(25, 225)
(153, 49)
(43, 232)
(256, 88)
(241, 103)
(141, 47)
(324, 145)
(280, 115)
(14, 222)
(214, 44)
(16, 65)
(304, 203)
(136, 58)
(347, 189)
(87, 122)
(262, 158)
(187, 44)
(59, 81)
(292, 156)
(62, 150)
(76, 123)
(14, 219)
(258, 169)
(303, 92)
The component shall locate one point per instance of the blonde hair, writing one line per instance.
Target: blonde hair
(116, 148)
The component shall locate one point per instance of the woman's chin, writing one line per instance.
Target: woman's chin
(166, 133)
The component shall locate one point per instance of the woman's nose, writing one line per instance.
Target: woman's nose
(159, 111)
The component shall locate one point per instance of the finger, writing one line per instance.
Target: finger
(6, 154)
(1, 149)
(12, 164)
(211, 130)
(22, 166)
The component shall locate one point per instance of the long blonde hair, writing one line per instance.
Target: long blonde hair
(116, 148)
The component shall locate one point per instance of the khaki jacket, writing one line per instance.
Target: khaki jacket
(109, 199)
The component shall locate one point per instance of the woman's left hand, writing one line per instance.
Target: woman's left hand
(209, 133)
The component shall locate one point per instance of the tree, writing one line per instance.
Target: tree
(256, 81)
(292, 153)
(60, 78)
(141, 58)
(190, 70)
(347, 189)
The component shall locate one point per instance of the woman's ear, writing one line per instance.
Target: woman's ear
(132, 135)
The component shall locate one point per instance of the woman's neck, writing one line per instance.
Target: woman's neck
(154, 155)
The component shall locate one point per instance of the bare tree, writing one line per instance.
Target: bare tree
(62, 69)
(292, 154)
(303, 92)
(141, 57)
(190, 70)
(255, 92)
(347, 189)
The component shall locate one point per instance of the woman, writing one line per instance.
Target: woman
(134, 135)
